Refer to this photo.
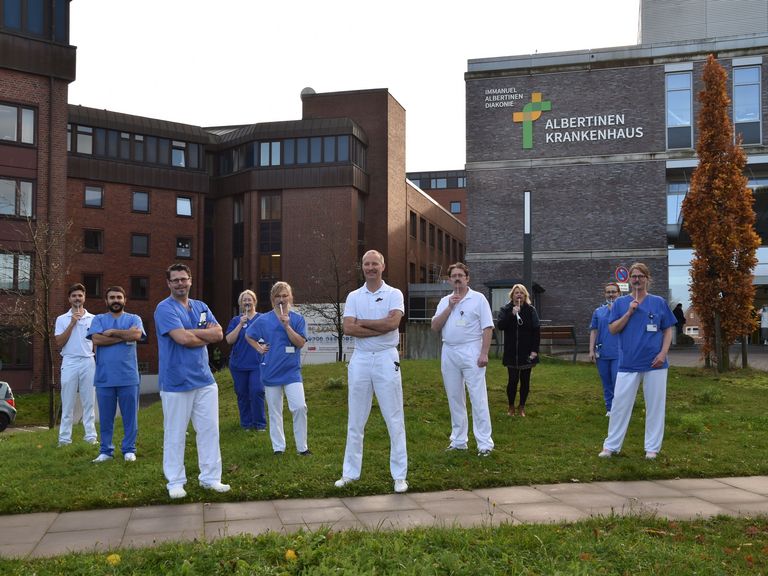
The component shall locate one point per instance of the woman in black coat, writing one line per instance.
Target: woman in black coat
(520, 323)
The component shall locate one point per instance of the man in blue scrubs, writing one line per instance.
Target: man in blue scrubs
(187, 388)
(117, 372)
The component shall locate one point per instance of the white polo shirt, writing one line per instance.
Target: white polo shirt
(366, 305)
(467, 320)
(78, 344)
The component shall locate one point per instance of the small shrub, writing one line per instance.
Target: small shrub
(334, 383)
(692, 424)
(684, 340)
(708, 396)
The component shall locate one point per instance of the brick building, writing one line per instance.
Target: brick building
(242, 205)
(604, 142)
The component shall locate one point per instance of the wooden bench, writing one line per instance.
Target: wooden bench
(549, 332)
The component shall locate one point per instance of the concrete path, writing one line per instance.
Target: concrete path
(51, 534)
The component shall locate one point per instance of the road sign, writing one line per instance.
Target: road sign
(622, 274)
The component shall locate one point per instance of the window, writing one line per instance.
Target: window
(679, 110)
(15, 197)
(432, 235)
(343, 150)
(93, 241)
(412, 273)
(125, 146)
(92, 283)
(746, 103)
(139, 288)
(440, 240)
(15, 349)
(423, 230)
(138, 148)
(178, 153)
(184, 247)
(412, 225)
(315, 150)
(461, 182)
(16, 272)
(140, 202)
(270, 207)
(84, 143)
(237, 210)
(438, 183)
(302, 151)
(289, 151)
(183, 206)
(675, 195)
(456, 207)
(329, 149)
(139, 245)
(94, 196)
(422, 274)
(17, 124)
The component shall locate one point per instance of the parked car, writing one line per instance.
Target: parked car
(7, 406)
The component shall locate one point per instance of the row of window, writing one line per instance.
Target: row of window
(140, 201)
(745, 100)
(42, 18)
(138, 287)
(17, 124)
(93, 242)
(427, 232)
(16, 272)
(440, 183)
(293, 151)
(134, 147)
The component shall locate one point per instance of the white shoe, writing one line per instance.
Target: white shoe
(93, 441)
(177, 492)
(608, 414)
(343, 481)
(605, 453)
(216, 487)
(651, 455)
(129, 457)
(401, 486)
(102, 458)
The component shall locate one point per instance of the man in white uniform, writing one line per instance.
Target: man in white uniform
(372, 315)
(78, 366)
(465, 321)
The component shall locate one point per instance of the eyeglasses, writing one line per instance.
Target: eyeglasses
(638, 276)
(179, 280)
(611, 292)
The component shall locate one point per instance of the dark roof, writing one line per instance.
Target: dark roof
(234, 135)
(97, 118)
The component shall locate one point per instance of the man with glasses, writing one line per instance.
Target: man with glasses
(465, 322)
(188, 390)
(644, 323)
(604, 346)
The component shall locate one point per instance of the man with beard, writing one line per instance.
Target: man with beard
(117, 374)
(465, 322)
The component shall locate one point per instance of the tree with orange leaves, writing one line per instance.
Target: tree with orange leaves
(718, 215)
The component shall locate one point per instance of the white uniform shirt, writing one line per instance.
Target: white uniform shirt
(366, 305)
(467, 320)
(78, 344)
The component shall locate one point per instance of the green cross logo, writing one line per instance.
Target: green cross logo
(531, 112)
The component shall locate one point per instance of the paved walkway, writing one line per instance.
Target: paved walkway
(51, 534)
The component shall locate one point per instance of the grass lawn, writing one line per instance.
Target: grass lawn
(716, 426)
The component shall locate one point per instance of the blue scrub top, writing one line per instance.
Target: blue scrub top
(278, 366)
(608, 343)
(637, 344)
(182, 368)
(116, 364)
(243, 356)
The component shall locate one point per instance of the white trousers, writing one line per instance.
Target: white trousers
(297, 405)
(655, 394)
(77, 374)
(375, 373)
(459, 367)
(201, 405)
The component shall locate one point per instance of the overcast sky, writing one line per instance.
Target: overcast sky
(246, 61)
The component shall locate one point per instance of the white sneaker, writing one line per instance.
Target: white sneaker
(216, 487)
(651, 455)
(401, 486)
(102, 458)
(129, 457)
(177, 492)
(608, 414)
(605, 453)
(343, 481)
(93, 441)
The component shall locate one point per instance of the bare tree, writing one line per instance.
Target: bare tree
(44, 250)
(333, 277)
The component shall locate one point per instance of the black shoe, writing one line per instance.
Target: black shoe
(306, 452)
(278, 452)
